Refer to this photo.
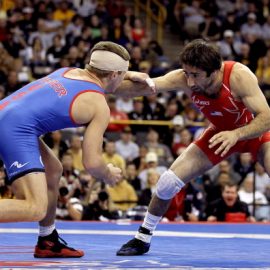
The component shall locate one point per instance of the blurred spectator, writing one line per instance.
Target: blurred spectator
(251, 26)
(193, 17)
(95, 25)
(244, 55)
(138, 31)
(118, 32)
(12, 84)
(230, 23)
(86, 181)
(186, 139)
(252, 197)
(98, 210)
(14, 42)
(116, 8)
(126, 147)
(262, 180)
(24, 73)
(151, 160)
(27, 23)
(63, 12)
(43, 34)
(129, 16)
(5, 189)
(266, 31)
(74, 57)
(70, 175)
(123, 195)
(115, 115)
(76, 152)
(61, 209)
(132, 177)
(225, 166)
(244, 165)
(136, 58)
(163, 152)
(35, 56)
(173, 136)
(187, 205)
(2, 92)
(56, 51)
(257, 49)
(110, 156)
(214, 190)
(146, 194)
(229, 208)
(56, 143)
(124, 104)
(210, 28)
(104, 34)
(3, 27)
(86, 7)
(74, 28)
(153, 108)
(140, 161)
(138, 114)
(229, 46)
(263, 73)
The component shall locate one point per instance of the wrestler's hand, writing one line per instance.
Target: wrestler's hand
(115, 175)
(226, 139)
(142, 78)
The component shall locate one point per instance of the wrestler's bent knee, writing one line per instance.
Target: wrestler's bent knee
(168, 185)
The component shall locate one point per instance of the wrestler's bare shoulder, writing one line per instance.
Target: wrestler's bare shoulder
(240, 70)
(242, 79)
(87, 105)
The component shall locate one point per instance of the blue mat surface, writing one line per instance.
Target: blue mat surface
(174, 246)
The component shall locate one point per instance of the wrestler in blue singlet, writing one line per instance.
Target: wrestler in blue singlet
(37, 108)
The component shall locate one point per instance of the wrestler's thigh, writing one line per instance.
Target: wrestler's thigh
(53, 167)
(191, 163)
(31, 187)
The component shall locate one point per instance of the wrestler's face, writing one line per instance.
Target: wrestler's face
(115, 80)
(197, 79)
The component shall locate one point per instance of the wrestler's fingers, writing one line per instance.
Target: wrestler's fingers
(221, 147)
(215, 142)
(225, 151)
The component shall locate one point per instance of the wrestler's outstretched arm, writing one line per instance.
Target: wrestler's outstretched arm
(135, 84)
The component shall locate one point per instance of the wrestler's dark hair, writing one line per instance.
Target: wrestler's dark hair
(201, 54)
(111, 47)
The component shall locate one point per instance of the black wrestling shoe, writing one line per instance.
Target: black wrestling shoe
(133, 247)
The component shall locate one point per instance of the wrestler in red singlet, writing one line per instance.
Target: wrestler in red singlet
(226, 113)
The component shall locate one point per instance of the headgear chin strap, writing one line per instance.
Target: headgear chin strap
(108, 61)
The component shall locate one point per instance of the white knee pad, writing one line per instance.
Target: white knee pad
(168, 185)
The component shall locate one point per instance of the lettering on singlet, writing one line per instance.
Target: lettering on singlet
(54, 84)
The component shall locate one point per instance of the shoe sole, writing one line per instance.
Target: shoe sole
(56, 256)
(48, 254)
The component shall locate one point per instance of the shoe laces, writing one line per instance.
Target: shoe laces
(61, 243)
(133, 243)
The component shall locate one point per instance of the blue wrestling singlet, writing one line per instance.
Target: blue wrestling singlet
(37, 108)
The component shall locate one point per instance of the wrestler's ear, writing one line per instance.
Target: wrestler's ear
(113, 75)
(213, 74)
